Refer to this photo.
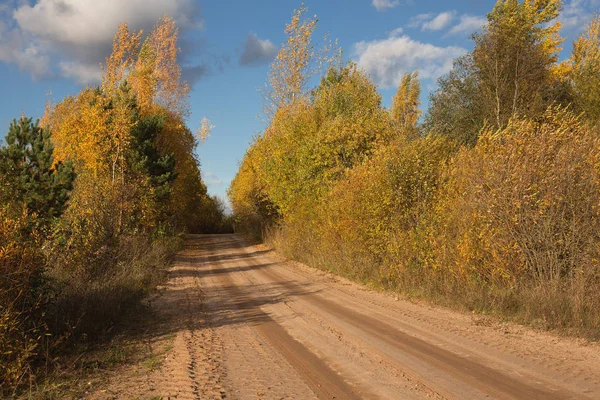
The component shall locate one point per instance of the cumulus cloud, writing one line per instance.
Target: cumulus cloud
(577, 13)
(84, 23)
(468, 24)
(27, 56)
(439, 22)
(257, 51)
(387, 60)
(382, 5)
(82, 73)
(72, 37)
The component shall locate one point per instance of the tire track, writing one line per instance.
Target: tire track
(322, 380)
(465, 370)
(259, 327)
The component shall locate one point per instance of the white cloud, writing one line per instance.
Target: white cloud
(441, 21)
(577, 13)
(396, 32)
(257, 51)
(74, 36)
(382, 5)
(83, 23)
(82, 73)
(468, 24)
(433, 22)
(419, 20)
(27, 56)
(387, 60)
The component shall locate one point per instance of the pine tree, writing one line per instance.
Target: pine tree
(28, 168)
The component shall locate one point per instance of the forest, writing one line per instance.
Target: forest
(94, 198)
(487, 201)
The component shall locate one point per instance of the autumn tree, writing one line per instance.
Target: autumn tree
(156, 76)
(585, 70)
(514, 55)
(405, 109)
(139, 112)
(290, 71)
(310, 145)
(117, 66)
(297, 61)
(508, 73)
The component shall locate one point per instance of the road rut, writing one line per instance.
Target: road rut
(257, 326)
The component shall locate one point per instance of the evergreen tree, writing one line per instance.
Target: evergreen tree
(29, 172)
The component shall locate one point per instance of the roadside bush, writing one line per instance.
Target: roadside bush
(22, 326)
(503, 220)
(254, 212)
(95, 270)
(368, 225)
(520, 219)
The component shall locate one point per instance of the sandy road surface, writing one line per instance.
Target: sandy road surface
(251, 325)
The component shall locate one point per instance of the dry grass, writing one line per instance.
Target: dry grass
(81, 305)
(509, 227)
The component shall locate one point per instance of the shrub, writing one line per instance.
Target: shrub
(521, 212)
(22, 327)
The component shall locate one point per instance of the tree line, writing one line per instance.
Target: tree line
(93, 198)
(487, 202)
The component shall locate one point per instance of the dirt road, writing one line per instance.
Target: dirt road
(249, 325)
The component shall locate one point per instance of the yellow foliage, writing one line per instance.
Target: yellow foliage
(310, 145)
(378, 209)
(247, 193)
(122, 58)
(156, 77)
(80, 132)
(515, 56)
(405, 104)
(21, 320)
(521, 205)
(297, 61)
(290, 70)
(507, 223)
(584, 69)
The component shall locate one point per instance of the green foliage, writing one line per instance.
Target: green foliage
(28, 168)
(75, 251)
(493, 206)
(509, 73)
(158, 169)
(313, 144)
(456, 108)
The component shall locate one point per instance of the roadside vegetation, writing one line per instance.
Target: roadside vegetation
(93, 199)
(489, 201)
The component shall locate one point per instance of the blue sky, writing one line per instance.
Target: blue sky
(52, 48)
